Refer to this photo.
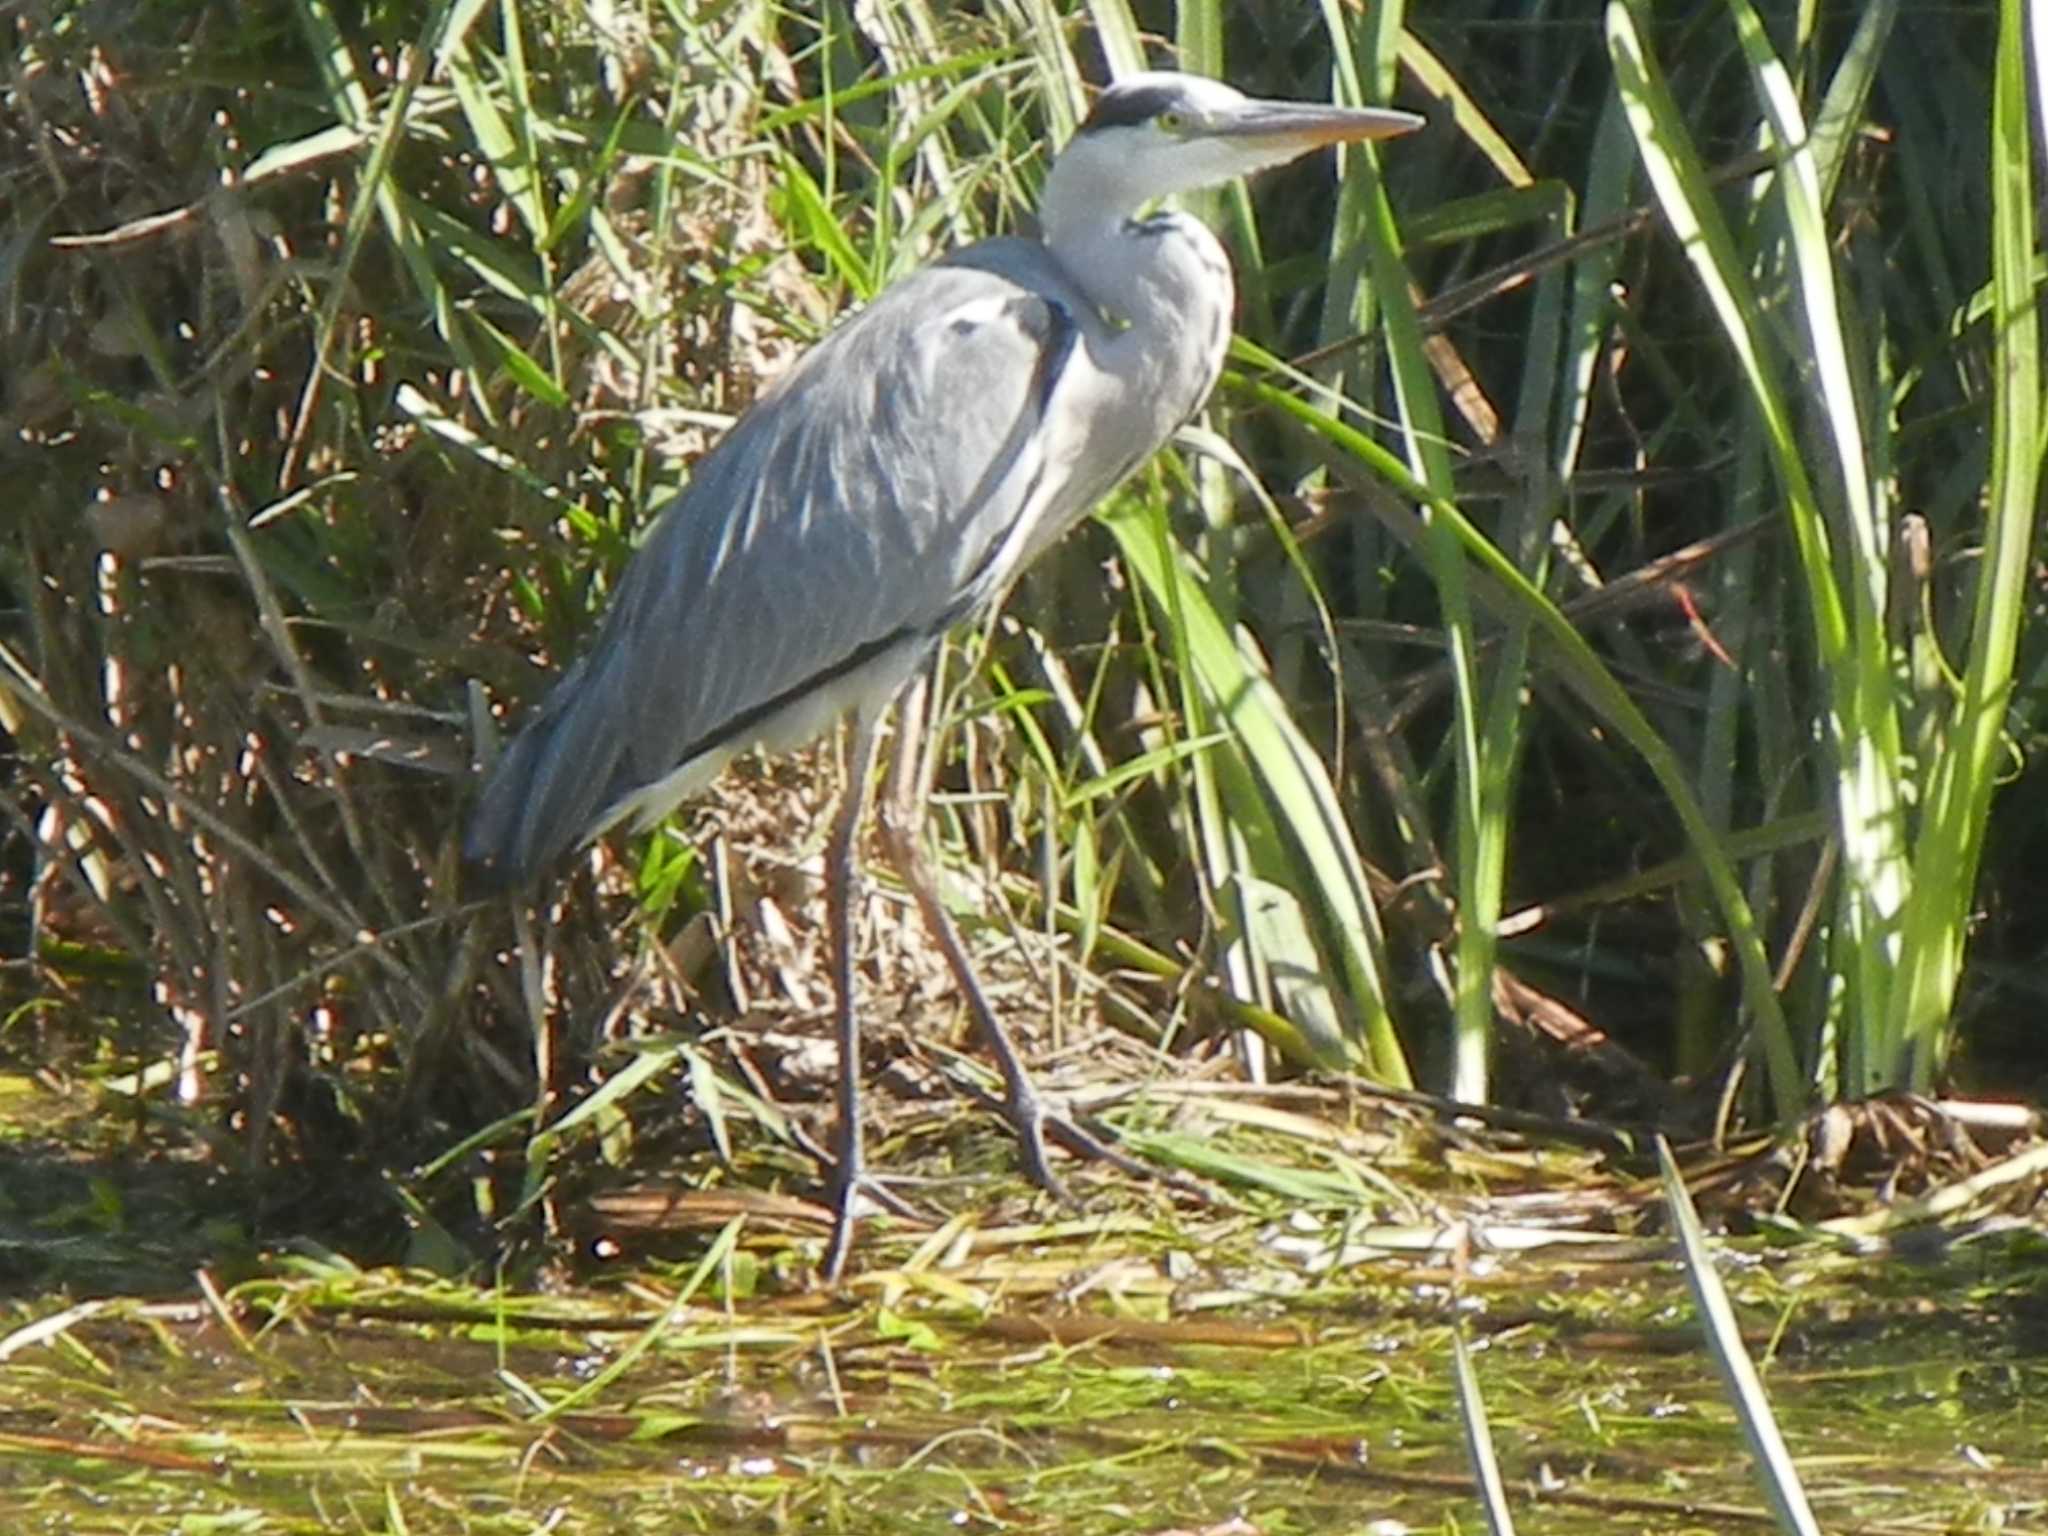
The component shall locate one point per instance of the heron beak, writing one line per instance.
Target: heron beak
(1300, 126)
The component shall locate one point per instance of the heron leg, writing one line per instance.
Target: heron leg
(1023, 1109)
(840, 858)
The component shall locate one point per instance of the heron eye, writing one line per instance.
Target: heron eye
(1172, 122)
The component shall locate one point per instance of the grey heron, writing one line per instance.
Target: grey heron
(892, 485)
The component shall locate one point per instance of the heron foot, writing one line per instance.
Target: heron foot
(850, 1191)
(844, 1199)
(1025, 1112)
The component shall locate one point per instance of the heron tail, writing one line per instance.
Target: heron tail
(544, 795)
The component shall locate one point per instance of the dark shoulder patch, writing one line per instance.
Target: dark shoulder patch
(1056, 333)
(1126, 106)
(1037, 317)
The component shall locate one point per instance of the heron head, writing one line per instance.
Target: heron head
(1157, 133)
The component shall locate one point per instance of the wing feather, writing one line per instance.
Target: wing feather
(853, 515)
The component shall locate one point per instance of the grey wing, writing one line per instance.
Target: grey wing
(847, 520)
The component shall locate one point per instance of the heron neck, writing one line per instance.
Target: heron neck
(1163, 285)
(1154, 275)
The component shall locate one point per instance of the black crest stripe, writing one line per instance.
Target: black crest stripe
(1127, 106)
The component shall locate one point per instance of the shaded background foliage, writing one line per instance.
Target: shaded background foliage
(294, 463)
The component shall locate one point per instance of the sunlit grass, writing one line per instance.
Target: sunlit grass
(324, 1395)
